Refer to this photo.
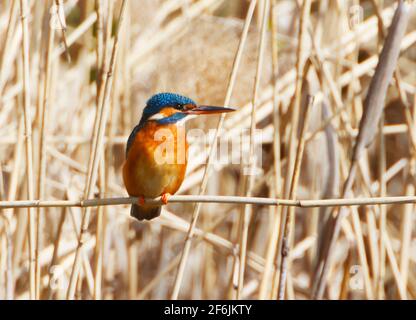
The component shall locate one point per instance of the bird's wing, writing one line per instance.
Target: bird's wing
(131, 137)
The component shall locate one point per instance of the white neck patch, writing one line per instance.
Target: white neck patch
(157, 116)
(160, 116)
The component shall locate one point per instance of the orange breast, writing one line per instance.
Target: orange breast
(156, 161)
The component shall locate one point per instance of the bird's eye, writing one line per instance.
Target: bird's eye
(179, 106)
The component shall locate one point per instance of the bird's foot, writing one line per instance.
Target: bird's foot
(140, 201)
(165, 198)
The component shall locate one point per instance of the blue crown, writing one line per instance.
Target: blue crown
(162, 100)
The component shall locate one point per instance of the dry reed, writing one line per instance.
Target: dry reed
(73, 86)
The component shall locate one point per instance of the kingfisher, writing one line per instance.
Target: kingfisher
(157, 150)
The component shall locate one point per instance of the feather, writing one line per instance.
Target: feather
(145, 212)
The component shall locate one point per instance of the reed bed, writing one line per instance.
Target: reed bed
(318, 202)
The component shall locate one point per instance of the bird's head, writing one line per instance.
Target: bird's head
(169, 108)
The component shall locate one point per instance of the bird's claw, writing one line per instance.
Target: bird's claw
(165, 198)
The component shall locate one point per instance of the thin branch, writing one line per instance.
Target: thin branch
(210, 199)
(289, 223)
(247, 209)
(96, 155)
(62, 24)
(24, 12)
(195, 214)
(374, 106)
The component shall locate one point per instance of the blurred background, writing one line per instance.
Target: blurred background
(188, 47)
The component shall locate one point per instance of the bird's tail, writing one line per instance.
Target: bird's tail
(145, 212)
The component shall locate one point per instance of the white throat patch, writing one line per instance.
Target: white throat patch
(183, 120)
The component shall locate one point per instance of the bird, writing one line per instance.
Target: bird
(157, 151)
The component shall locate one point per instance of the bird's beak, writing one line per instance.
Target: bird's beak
(208, 110)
